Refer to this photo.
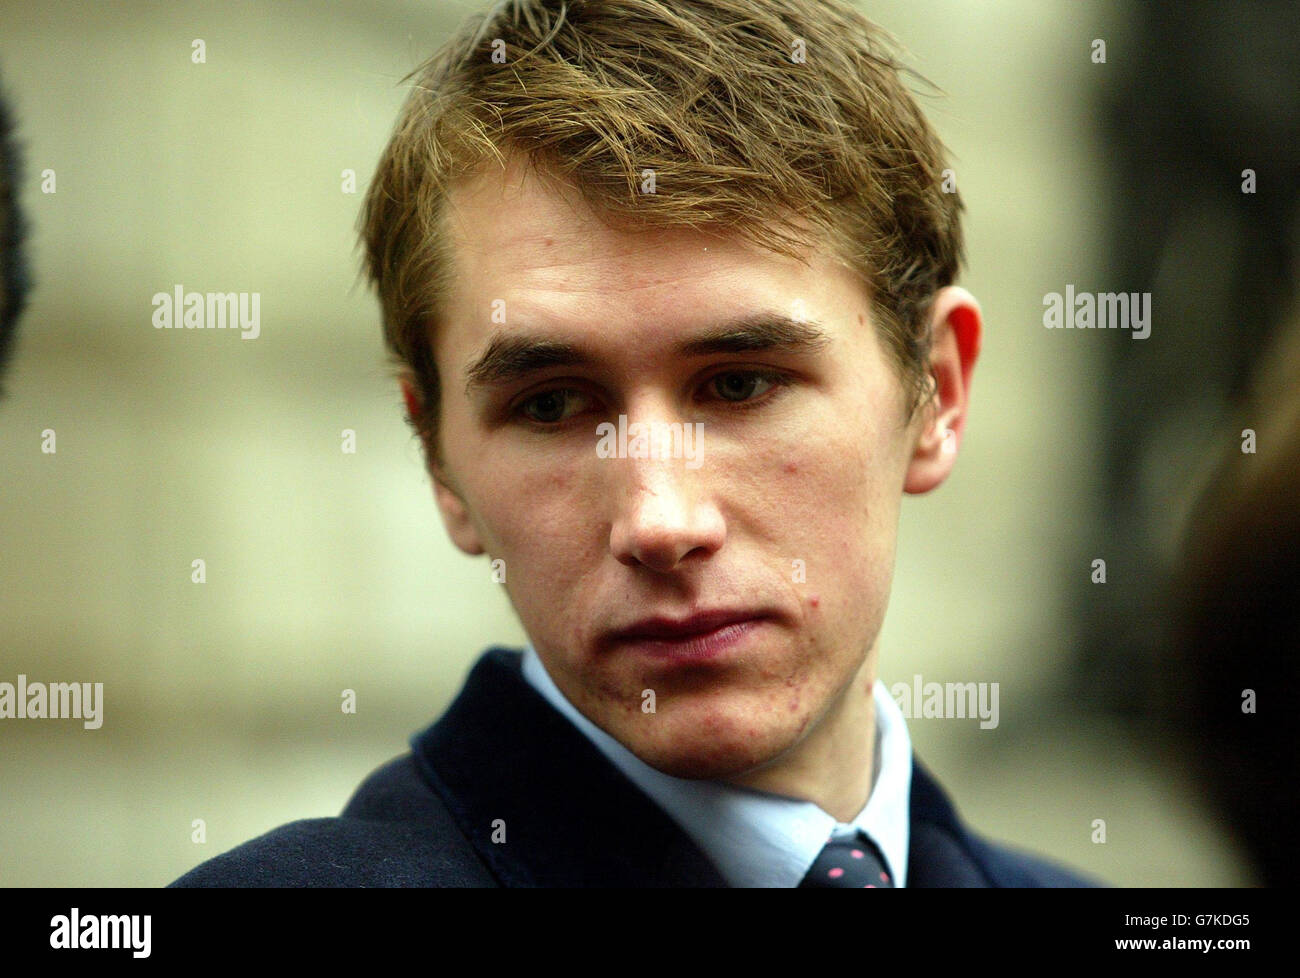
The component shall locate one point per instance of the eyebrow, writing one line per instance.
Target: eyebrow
(509, 357)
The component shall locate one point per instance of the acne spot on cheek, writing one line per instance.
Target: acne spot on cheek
(791, 467)
(814, 600)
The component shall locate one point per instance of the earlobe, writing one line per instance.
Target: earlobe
(456, 516)
(455, 513)
(956, 328)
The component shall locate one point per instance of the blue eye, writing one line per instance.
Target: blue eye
(745, 388)
(738, 388)
(551, 407)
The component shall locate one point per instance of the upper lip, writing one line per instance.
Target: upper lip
(665, 628)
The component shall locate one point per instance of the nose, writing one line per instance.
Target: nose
(664, 515)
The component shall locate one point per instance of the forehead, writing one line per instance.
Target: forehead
(530, 240)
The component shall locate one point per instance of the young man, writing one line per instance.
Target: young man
(672, 291)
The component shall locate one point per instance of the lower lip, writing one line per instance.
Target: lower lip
(695, 648)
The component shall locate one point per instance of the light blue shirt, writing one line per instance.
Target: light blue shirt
(756, 838)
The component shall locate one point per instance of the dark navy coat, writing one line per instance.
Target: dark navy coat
(502, 756)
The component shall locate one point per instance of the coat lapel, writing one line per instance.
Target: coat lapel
(939, 851)
(507, 764)
(509, 767)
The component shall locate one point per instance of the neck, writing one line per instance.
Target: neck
(833, 766)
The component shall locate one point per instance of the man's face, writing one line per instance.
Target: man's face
(784, 524)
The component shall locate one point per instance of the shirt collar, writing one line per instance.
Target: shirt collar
(753, 837)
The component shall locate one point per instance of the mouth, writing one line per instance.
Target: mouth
(700, 637)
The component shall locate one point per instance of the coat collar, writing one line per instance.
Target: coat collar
(509, 766)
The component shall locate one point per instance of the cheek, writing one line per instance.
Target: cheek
(837, 514)
(837, 491)
(536, 521)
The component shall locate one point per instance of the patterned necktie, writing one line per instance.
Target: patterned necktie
(849, 859)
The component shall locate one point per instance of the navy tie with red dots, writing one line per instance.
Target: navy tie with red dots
(849, 859)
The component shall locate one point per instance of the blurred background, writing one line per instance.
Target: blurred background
(328, 571)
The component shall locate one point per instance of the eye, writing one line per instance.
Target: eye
(553, 406)
(740, 386)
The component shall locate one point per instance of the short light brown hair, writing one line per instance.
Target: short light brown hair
(743, 134)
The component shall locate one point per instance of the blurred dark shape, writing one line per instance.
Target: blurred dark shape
(14, 281)
(1236, 628)
(1195, 93)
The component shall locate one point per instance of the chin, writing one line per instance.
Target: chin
(711, 748)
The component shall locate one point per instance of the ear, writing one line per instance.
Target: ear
(456, 516)
(956, 327)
